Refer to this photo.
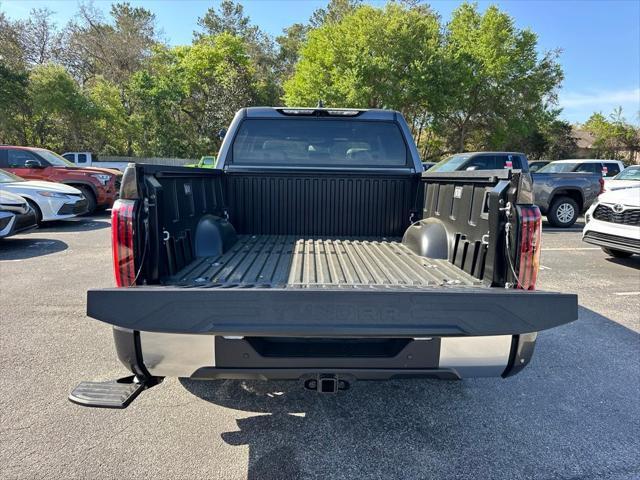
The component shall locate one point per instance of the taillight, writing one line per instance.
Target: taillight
(530, 246)
(122, 242)
(601, 185)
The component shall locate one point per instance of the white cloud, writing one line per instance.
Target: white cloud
(600, 98)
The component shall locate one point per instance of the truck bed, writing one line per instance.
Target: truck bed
(280, 261)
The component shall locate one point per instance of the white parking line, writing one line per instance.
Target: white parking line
(566, 249)
(626, 294)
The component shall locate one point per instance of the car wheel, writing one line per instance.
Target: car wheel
(36, 209)
(91, 199)
(563, 212)
(616, 253)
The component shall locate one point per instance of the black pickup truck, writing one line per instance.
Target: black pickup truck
(318, 250)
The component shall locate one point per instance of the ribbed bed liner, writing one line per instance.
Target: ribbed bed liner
(264, 261)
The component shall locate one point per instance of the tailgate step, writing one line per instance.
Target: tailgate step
(110, 394)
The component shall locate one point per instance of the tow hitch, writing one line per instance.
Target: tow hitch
(326, 383)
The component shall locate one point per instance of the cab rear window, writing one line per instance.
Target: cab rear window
(319, 142)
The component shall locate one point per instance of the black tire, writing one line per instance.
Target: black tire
(36, 209)
(91, 198)
(616, 253)
(560, 210)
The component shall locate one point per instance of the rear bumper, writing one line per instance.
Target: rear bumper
(213, 357)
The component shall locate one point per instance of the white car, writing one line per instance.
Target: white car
(613, 222)
(49, 200)
(629, 177)
(608, 168)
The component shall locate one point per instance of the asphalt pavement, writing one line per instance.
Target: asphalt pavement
(574, 413)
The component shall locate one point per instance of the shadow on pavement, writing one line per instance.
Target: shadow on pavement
(29, 247)
(79, 224)
(573, 413)
(632, 261)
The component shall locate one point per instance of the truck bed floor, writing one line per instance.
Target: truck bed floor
(293, 262)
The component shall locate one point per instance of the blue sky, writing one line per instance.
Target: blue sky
(600, 40)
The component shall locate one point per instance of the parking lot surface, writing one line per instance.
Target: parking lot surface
(574, 413)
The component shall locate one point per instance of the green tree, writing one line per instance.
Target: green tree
(614, 137)
(190, 93)
(14, 105)
(61, 113)
(371, 58)
(499, 87)
(229, 18)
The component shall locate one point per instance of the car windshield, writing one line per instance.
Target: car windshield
(6, 177)
(631, 173)
(53, 158)
(558, 167)
(319, 142)
(450, 164)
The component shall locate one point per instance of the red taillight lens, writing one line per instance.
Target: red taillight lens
(122, 242)
(601, 185)
(530, 246)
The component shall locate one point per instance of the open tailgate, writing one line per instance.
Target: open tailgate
(324, 312)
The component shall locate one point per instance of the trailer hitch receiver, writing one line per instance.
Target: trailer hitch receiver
(326, 383)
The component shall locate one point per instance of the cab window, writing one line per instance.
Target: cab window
(589, 168)
(82, 158)
(483, 162)
(612, 169)
(17, 158)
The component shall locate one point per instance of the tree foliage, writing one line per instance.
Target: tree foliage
(614, 137)
(107, 82)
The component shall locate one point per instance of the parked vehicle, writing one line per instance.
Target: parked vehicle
(427, 165)
(537, 165)
(100, 186)
(16, 216)
(472, 161)
(629, 177)
(606, 168)
(563, 195)
(320, 251)
(207, 161)
(613, 222)
(50, 201)
(88, 159)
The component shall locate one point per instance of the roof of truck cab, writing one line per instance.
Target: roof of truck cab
(279, 112)
(585, 160)
(489, 153)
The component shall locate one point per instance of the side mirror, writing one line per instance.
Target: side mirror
(221, 133)
(33, 164)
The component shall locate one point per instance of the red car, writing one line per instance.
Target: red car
(100, 186)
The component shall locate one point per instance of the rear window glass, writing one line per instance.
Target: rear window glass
(558, 167)
(319, 142)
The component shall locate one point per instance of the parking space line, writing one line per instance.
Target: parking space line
(626, 294)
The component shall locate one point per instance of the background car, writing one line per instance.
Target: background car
(100, 186)
(49, 200)
(629, 177)
(208, 161)
(15, 215)
(537, 165)
(608, 168)
(482, 161)
(613, 222)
